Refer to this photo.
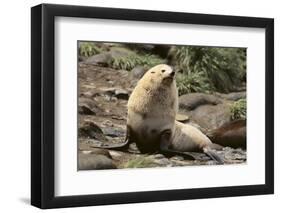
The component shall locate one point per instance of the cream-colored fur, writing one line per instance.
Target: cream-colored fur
(187, 138)
(152, 108)
(154, 101)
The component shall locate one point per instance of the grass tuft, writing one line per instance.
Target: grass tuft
(239, 109)
(88, 49)
(139, 162)
(194, 82)
(131, 61)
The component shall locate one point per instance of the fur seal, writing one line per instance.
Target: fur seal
(152, 107)
(151, 120)
(232, 134)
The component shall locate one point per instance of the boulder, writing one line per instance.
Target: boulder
(102, 59)
(137, 72)
(191, 101)
(87, 106)
(233, 96)
(210, 117)
(94, 161)
(89, 129)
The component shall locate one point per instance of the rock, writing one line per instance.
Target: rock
(115, 92)
(141, 47)
(115, 154)
(102, 59)
(177, 158)
(88, 149)
(137, 72)
(107, 123)
(121, 94)
(105, 58)
(162, 162)
(113, 132)
(159, 156)
(90, 130)
(211, 117)
(88, 107)
(193, 100)
(88, 94)
(118, 52)
(234, 96)
(94, 161)
(120, 118)
(133, 148)
(234, 155)
(181, 117)
(81, 58)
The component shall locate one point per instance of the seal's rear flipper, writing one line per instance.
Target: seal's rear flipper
(213, 155)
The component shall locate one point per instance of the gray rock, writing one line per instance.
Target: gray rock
(87, 148)
(159, 156)
(115, 92)
(89, 129)
(105, 58)
(121, 94)
(177, 158)
(102, 59)
(117, 52)
(234, 155)
(234, 96)
(163, 162)
(81, 58)
(210, 117)
(137, 72)
(193, 100)
(113, 132)
(182, 117)
(87, 106)
(94, 161)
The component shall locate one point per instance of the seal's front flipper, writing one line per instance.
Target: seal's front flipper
(119, 147)
(213, 155)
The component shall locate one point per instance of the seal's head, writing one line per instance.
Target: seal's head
(161, 74)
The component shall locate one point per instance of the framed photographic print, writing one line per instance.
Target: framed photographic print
(139, 106)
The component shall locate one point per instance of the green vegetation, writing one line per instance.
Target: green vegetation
(139, 162)
(200, 69)
(239, 109)
(224, 68)
(132, 60)
(88, 49)
(193, 82)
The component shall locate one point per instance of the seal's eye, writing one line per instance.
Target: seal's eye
(152, 72)
(163, 71)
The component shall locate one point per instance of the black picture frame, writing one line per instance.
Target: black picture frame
(43, 102)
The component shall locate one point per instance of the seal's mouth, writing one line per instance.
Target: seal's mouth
(171, 76)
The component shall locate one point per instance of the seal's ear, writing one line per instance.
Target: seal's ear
(152, 72)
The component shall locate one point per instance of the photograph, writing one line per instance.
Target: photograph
(143, 105)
